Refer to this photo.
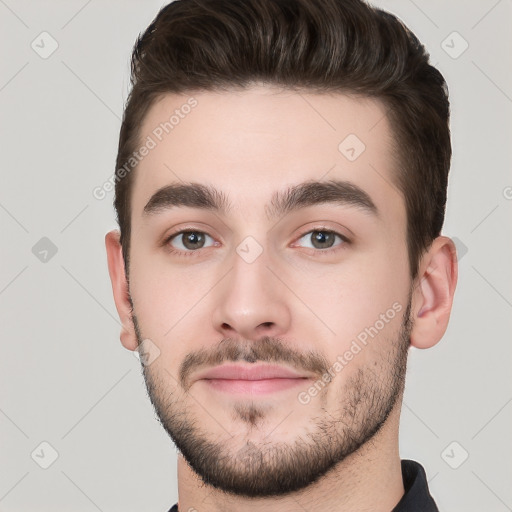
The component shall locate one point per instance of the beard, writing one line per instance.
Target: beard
(265, 469)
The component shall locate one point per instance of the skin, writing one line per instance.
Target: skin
(293, 305)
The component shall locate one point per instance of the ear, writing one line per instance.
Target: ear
(433, 293)
(120, 288)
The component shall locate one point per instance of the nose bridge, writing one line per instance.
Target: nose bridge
(251, 277)
(250, 265)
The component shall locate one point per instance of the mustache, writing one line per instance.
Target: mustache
(266, 349)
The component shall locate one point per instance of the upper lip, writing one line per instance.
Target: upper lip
(258, 372)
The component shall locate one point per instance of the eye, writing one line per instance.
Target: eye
(324, 239)
(187, 241)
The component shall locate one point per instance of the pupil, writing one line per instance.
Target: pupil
(323, 238)
(193, 239)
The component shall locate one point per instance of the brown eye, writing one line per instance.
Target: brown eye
(187, 241)
(323, 239)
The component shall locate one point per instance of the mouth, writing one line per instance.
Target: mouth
(254, 380)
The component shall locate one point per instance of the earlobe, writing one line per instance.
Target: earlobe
(117, 273)
(434, 292)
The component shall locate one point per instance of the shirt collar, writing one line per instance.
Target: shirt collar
(417, 496)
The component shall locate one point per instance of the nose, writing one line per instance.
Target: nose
(252, 302)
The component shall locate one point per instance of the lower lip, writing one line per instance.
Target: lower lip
(254, 387)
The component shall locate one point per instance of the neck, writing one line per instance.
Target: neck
(368, 480)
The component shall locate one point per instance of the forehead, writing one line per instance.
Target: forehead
(254, 142)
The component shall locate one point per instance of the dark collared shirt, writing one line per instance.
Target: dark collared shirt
(416, 498)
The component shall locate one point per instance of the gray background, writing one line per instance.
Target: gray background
(65, 378)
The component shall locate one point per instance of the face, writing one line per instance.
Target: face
(289, 254)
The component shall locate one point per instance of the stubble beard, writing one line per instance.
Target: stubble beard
(264, 469)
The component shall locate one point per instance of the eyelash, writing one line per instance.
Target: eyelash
(189, 253)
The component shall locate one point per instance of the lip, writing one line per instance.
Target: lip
(258, 372)
(253, 380)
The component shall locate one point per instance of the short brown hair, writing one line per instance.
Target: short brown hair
(330, 46)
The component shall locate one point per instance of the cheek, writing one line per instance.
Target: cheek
(169, 301)
(348, 302)
(156, 295)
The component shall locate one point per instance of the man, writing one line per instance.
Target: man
(280, 191)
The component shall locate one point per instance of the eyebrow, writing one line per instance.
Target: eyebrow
(309, 193)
